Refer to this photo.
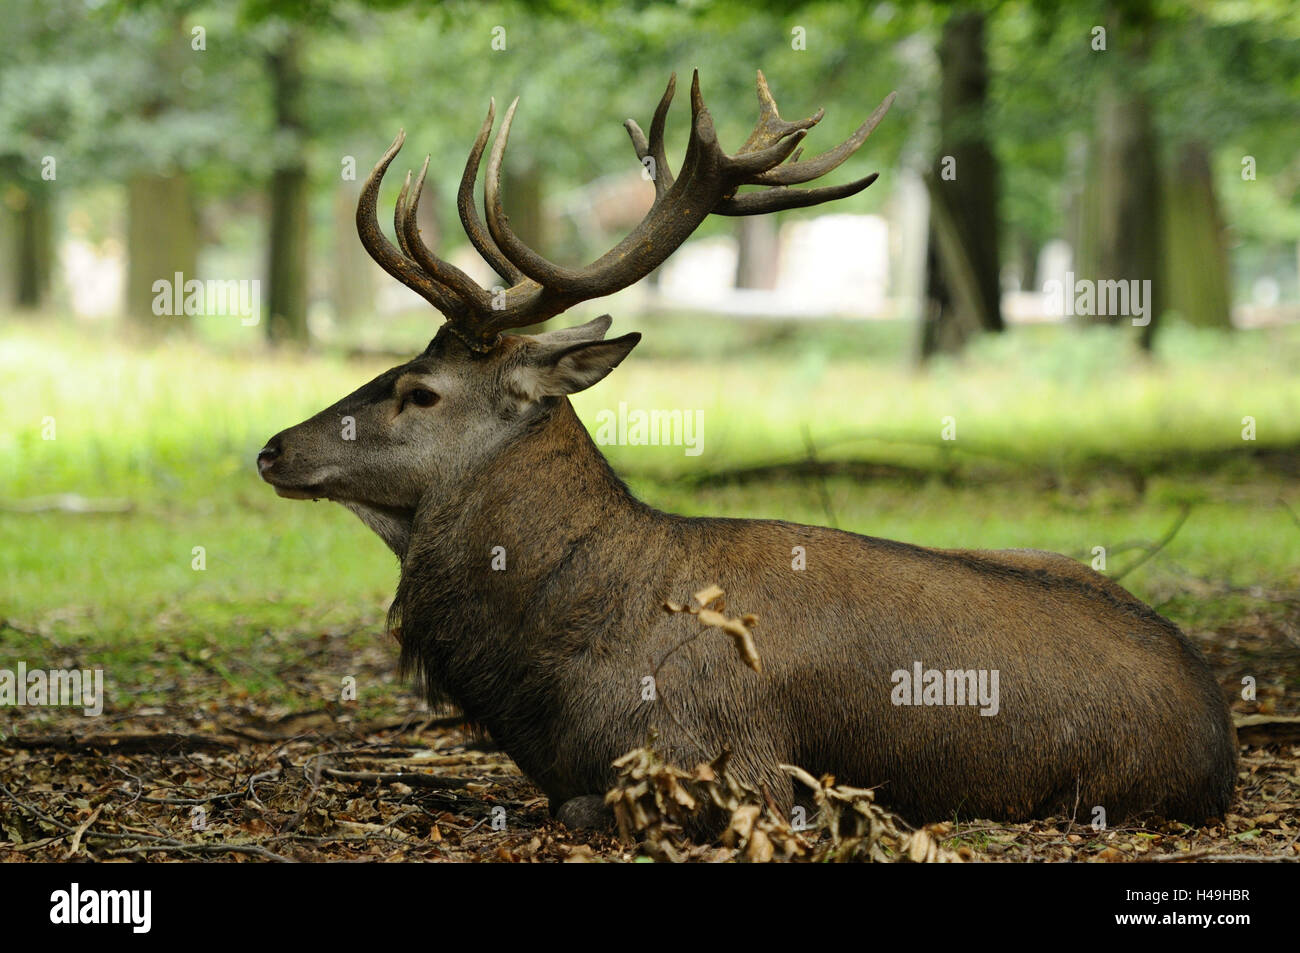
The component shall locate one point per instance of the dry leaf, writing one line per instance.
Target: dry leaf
(759, 849)
(707, 595)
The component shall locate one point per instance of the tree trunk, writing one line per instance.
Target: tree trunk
(162, 223)
(1121, 227)
(353, 272)
(522, 194)
(1128, 192)
(1196, 266)
(33, 246)
(1027, 262)
(757, 252)
(162, 239)
(287, 242)
(954, 298)
(963, 280)
(523, 200)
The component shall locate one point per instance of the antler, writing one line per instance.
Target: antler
(540, 289)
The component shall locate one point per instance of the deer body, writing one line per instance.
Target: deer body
(550, 654)
(533, 583)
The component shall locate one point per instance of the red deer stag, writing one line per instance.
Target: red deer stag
(1083, 696)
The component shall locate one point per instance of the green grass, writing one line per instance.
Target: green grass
(1065, 441)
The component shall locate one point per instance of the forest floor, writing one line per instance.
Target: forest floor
(232, 775)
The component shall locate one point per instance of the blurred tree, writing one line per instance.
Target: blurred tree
(524, 181)
(757, 252)
(1241, 103)
(31, 240)
(162, 229)
(963, 271)
(287, 240)
(33, 114)
(352, 284)
(1122, 237)
(1151, 206)
(1073, 103)
(1196, 263)
(162, 242)
(1042, 96)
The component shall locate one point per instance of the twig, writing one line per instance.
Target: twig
(1078, 790)
(261, 776)
(415, 723)
(159, 743)
(1154, 549)
(414, 779)
(252, 849)
(659, 689)
(811, 449)
(13, 626)
(702, 598)
(407, 842)
(1287, 506)
(76, 836)
(139, 783)
(181, 801)
(1207, 854)
(151, 842)
(294, 821)
(1008, 830)
(35, 810)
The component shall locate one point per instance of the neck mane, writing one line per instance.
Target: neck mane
(524, 540)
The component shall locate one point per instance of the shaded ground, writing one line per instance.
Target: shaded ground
(221, 773)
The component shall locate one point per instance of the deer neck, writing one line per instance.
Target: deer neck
(493, 578)
(552, 482)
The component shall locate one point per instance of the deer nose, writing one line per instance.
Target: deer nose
(268, 454)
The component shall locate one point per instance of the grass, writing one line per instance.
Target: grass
(1066, 440)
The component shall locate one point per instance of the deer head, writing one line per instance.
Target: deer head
(426, 426)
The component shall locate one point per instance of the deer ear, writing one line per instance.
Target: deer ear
(562, 368)
(593, 330)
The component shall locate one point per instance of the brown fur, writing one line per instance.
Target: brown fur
(1104, 701)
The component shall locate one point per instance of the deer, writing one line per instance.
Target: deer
(533, 583)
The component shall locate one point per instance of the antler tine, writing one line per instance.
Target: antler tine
(654, 149)
(771, 127)
(778, 176)
(702, 145)
(390, 258)
(399, 216)
(779, 198)
(408, 233)
(469, 219)
(750, 165)
(677, 212)
(533, 265)
(796, 172)
(669, 223)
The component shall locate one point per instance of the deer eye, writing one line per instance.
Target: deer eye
(420, 397)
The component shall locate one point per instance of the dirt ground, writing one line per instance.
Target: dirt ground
(219, 773)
